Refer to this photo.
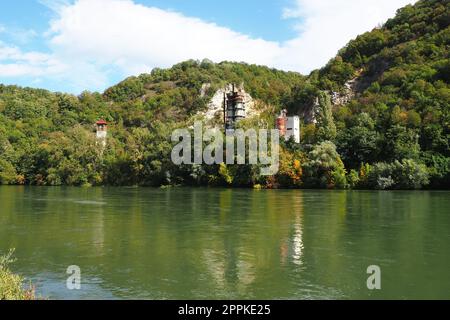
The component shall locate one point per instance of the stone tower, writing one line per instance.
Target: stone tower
(102, 131)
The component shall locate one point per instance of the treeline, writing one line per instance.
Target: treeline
(388, 129)
(49, 138)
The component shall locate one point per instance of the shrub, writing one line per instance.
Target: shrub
(11, 285)
(439, 169)
(324, 168)
(290, 171)
(353, 179)
(411, 175)
(398, 175)
(7, 172)
(225, 174)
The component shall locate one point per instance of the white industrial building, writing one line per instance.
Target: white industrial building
(293, 128)
(289, 127)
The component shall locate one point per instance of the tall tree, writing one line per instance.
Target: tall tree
(324, 115)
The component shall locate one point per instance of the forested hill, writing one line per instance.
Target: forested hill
(48, 138)
(386, 125)
(390, 90)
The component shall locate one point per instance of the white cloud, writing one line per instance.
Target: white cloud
(136, 38)
(15, 63)
(325, 26)
(23, 36)
(90, 40)
(55, 5)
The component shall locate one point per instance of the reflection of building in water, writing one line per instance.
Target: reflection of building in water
(225, 205)
(230, 270)
(298, 241)
(292, 245)
(98, 240)
(95, 204)
(215, 267)
(228, 261)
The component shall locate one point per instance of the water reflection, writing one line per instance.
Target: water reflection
(298, 241)
(213, 243)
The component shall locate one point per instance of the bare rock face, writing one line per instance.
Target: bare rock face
(215, 106)
(350, 89)
(340, 99)
(308, 112)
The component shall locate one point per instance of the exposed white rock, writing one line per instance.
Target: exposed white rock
(339, 99)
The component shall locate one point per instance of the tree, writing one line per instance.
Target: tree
(398, 175)
(290, 171)
(324, 167)
(360, 143)
(8, 173)
(326, 129)
(401, 143)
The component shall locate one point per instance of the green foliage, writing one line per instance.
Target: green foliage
(406, 174)
(224, 174)
(397, 108)
(290, 172)
(353, 179)
(439, 169)
(401, 143)
(7, 172)
(324, 167)
(326, 129)
(359, 143)
(400, 85)
(49, 139)
(130, 89)
(11, 285)
(336, 73)
(364, 174)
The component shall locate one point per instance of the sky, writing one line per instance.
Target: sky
(77, 45)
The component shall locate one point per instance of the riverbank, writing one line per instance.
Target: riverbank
(12, 286)
(220, 187)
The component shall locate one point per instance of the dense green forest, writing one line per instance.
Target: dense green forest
(381, 111)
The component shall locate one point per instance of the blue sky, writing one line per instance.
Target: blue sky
(76, 45)
(265, 19)
(257, 18)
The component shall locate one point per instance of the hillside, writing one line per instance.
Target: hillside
(394, 85)
(378, 113)
(47, 138)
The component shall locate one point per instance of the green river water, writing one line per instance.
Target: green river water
(136, 243)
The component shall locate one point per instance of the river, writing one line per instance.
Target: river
(183, 243)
